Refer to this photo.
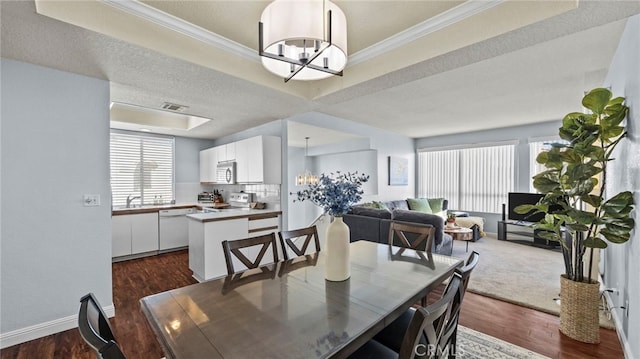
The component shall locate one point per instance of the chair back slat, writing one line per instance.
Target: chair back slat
(430, 323)
(288, 241)
(411, 235)
(233, 248)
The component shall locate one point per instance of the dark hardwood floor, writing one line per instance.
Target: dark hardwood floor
(135, 279)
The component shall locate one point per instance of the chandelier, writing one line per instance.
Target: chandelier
(303, 39)
(307, 177)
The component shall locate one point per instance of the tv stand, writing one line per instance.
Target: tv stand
(520, 228)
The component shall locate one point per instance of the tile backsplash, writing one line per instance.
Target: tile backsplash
(267, 193)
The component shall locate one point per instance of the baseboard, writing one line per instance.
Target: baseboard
(617, 321)
(43, 329)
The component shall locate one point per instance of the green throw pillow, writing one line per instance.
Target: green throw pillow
(368, 205)
(380, 205)
(419, 204)
(435, 204)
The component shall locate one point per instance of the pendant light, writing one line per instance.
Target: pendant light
(307, 177)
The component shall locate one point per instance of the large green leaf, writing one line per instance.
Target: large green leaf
(614, 237)
(622, 203)
(578, 227)
(545, 184)
(594, 242)
(611, 132)
(593, 200)
(596, 100)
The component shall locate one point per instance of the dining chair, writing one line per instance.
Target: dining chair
(94, 328)
(416, 236)
(288, 239)
(391, 336)
(417, 332)
(234, 247)
(451, 331)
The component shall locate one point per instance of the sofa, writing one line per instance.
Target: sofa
(372, 222)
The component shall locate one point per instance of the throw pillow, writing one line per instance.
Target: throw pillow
(368, 205)
(380, 205)
(419, 204)
(435, 204)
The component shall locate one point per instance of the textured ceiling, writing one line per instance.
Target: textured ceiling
(532, 73)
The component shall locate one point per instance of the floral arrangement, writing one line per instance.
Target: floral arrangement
(335, 193)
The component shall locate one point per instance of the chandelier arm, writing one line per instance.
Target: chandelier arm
(306, 64)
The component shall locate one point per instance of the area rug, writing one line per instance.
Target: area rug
(476, 345)
(517, 273)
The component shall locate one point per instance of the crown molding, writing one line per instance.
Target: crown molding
(433, 24)
(174, 23)
(440, 21)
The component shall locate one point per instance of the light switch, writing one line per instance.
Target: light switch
(91, 200)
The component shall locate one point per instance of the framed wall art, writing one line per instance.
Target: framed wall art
(398, 171)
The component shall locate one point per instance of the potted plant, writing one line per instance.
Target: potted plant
(335, 194)
(451, 220)
(578, 214)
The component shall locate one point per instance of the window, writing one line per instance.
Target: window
(472, 179)
(141, 166)
(535, 147)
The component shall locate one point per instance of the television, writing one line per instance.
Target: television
(519, 198)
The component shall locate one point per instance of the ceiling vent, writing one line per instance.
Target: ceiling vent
(174, 107)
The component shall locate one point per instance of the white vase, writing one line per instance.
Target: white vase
(337, 252)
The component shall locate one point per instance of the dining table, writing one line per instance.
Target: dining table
(289, 310)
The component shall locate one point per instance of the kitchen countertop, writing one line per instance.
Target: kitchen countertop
(157, 208)
(234, 214)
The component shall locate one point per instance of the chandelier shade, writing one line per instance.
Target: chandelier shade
(303, 39)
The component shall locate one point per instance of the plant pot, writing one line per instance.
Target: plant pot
(338, 267)
(579, 306)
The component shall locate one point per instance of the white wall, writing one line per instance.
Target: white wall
(54, 149)
(522, 134)
(187, 159)
(622, 262)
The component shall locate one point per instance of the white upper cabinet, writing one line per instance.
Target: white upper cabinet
(258, 160)
(208, 163)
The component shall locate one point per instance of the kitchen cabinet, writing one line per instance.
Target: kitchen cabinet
(208, 163)
(206, 257)
(258, 160)
(134, 234)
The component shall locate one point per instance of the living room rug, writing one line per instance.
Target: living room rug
(476, 345)
(517, 273)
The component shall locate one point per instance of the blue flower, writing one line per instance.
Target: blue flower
(335, 193)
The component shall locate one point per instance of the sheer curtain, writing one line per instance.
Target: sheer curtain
(473, 179)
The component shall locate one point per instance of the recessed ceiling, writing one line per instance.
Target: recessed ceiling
(418, 68)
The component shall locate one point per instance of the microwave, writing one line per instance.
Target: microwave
(226, 172)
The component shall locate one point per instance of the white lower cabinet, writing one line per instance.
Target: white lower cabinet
(134, 234)
(206, 257)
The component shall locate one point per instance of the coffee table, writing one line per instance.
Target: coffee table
(460, 234)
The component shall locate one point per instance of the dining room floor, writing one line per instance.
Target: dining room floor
(134, 279)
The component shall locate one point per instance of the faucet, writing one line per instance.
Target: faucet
(129, 199)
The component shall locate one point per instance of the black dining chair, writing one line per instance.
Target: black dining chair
(94, 328)
(417, 332)
(392, 335)
(288, 241)
(233, 248)
(416, 236)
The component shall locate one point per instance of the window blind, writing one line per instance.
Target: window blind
(472, 179)
(141, 166)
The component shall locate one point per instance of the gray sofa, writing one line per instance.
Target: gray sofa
(372, 224)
